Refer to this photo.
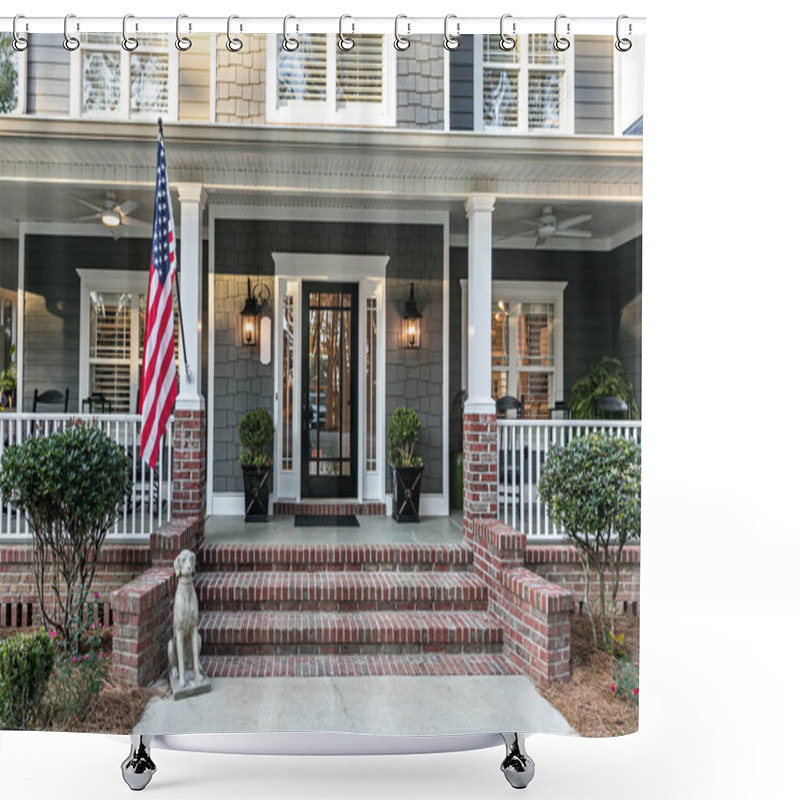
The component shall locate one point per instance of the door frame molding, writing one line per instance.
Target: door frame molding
(369, 272)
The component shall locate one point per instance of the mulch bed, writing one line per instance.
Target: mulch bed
(586, 701)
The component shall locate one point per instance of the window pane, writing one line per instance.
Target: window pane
(109, 348)
(536, 388)
(500, 334)
(544, 100)
(535, 335)
(149, 75)
(302, 74)
(9, 75)
(372, 384)
(288, 384)
(500, 98)
(100, 80)
(499, 384)
(541, 50)
(359, 72)
(493, 53)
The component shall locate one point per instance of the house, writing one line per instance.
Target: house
(499, 185)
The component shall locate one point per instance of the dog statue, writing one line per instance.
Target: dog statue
(183, 649)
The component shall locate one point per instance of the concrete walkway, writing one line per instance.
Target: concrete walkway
(402, 706)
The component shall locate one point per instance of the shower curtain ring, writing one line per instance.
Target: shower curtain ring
(451, 42)
(129, 43)
(345, 42)
(183, 43)
(290, 44)
(401, 43)
(70, 42)
(507, 41)
(560, 43)
(20, 43)
(234, 43)
(623, 45)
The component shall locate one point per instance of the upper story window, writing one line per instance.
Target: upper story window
(320, 84)
(12, 77)
(108, 81)
(527, 89)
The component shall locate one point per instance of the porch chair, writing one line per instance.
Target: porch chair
(52, 397)
(510, 403)
(612, 405)
(95, 399)
(560, 410)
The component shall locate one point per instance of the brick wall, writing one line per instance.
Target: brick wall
(189, 464)
(480, 470)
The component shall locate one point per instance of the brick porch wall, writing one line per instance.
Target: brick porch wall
(189, 464)
(480, 470)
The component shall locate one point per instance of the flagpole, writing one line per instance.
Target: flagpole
(177, 282)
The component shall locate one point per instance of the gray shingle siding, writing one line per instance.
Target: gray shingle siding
(48, 75)
(420, 84)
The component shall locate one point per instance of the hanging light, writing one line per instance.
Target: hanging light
(250, 314)
(411, 323)
(257, 320)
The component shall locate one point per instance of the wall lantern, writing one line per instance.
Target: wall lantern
(257, 321)
(411, 323)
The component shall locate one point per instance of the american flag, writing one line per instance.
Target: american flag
(159, 382)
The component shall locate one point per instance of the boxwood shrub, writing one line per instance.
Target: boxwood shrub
(26, 662)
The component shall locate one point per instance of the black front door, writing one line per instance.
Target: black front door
(329, 390)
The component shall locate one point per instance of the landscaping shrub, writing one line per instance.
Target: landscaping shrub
(592, 487)
(606, 379)
(403, 434)
(625, 677)
(26, 662)
(255, 434)
(70, 486)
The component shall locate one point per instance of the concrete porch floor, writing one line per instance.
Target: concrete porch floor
(373, 530)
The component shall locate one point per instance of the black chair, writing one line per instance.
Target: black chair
(510, 403)
(560, 410)
(612, 405)
(52, 397)
(95, 399)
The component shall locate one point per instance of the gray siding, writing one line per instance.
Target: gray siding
(462, 85)
(627, 311)
(8, 264)
(244, 247)
(52, 304)
(194, 80)
(48, 75)
(420, 84)
(594, 84)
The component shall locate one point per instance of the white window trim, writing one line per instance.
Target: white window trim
(105, 280)
(123, 112)
(568, 120)
(326, 113)
(524, 292)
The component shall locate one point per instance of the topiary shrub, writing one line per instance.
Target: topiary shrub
(606, 379)
(70, 486)
(592, 487)
(255, 435)
(26, 662)
(403, 434)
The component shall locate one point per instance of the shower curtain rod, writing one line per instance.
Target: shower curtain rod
(405, 25)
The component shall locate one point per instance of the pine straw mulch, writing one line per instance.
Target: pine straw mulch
(116, 709)
(586, 700)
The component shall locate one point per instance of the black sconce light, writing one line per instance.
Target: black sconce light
(256, 321)
(411, 323)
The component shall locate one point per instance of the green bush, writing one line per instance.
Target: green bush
(403, 434)
(606, 379)
(592, 488)
(74, 685)
(625, 677)
(70, 486)
(26, 662)
(255, 434)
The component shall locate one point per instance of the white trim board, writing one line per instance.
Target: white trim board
(329, 266)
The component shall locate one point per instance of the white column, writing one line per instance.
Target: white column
(479, 305)
(192, 197)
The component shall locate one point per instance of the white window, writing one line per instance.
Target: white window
(13, 66)
(108, 81)
(527, 89)
(320, 84)
(113, 307)
(527, 343)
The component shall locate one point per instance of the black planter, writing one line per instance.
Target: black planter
(256, 493)
(406, 485)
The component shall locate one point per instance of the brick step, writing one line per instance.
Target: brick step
(333, 557)
(427, 665)
(361, 633)
(291, 507)
(341, 591)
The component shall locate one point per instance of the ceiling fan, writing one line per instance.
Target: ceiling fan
(549, 225)
(112, 214)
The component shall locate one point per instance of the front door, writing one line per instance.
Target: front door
(329, 463)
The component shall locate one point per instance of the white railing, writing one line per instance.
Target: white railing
(150, 501)
(522, 447)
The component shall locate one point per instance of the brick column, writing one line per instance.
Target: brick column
(189, 463)
(480, 470)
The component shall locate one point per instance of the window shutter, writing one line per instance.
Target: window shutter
(302, 73)
(359, 72)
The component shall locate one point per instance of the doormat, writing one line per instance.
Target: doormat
(325, 521)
